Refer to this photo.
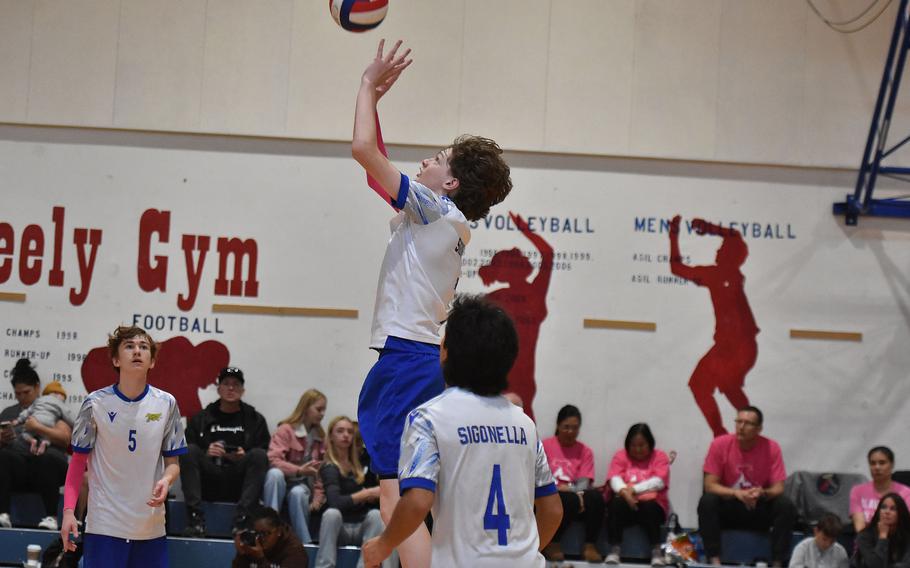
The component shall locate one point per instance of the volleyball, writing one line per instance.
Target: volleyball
(358, 15)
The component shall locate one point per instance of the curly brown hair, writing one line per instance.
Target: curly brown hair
(483, 176)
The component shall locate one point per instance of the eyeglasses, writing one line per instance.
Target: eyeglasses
(230, 371)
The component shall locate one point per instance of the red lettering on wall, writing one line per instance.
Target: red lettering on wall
(238, 250)
(55, 276)
(86, 262)
(190, 244)
(152, 276)
(32, 247)
(7, 240)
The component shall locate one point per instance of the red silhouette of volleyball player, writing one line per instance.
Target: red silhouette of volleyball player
(525, 302)
(725, 365)
(181, 369)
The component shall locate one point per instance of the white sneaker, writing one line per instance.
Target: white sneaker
(49, 523)
(658, 560)
(5, 523)
(612, 558)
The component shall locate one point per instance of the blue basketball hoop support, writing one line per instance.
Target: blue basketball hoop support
(862, 202)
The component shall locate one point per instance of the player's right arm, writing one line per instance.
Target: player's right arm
(376, 80)
(411, 510)
(83, 441)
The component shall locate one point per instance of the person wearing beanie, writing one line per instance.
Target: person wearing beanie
(47, 409)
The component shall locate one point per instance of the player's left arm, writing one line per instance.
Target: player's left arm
(412, 509)
(377, 78)
(171, 473)
(548, 511)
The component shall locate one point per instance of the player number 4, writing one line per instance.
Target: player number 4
(498, 521)
(132, 444)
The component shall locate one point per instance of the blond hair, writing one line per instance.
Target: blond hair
(307, 399)
(331, 454)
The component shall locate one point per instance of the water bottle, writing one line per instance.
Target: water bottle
(672, 525)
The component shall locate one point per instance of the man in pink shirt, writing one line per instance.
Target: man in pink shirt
(744, 485)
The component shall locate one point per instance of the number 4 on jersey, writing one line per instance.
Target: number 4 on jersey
(498, 521)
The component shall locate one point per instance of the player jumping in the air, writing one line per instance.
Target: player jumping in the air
(474, 457)
(419, 272)
(130, 435)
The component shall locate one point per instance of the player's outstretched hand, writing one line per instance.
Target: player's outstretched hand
(386, 68)
(67, 528)
(159, 493)
(374, 551)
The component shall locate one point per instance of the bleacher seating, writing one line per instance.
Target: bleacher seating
(634, 546)
(199, 553)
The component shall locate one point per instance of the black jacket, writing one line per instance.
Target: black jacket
(255, 430)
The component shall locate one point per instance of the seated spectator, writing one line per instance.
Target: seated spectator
(295, 454)
(352, 514)
(47, 409)
(226, 461)
(885, 542)
(370, 479)
(22, 470)
(865, 496)
(639, 477)
(572, 464)
(268, 542)
(744, 485)
(822, 549)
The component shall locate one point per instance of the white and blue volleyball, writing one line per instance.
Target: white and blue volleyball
(358, 15)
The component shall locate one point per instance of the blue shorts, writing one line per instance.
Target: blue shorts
(102, 551)
(406, 375)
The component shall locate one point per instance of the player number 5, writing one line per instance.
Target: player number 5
(498, 521)
(132, 444)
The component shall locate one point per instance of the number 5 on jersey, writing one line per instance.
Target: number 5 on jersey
(132, 443)
(498, 521)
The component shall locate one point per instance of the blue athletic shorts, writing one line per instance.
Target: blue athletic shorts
(406, 375)
(101, 551)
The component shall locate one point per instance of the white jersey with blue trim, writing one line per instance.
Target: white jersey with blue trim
(421, 266)
(126, 440)
(484, 460)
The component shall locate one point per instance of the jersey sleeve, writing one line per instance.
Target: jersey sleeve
(419, 462)
(419, 202)
(174, 441)
(84, 429)
(543, 477)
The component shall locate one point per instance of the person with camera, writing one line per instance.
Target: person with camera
(227, 458)
(269, 542)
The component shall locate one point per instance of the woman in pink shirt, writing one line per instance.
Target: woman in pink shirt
(572, 464)
(639, 478)
(295, 454)
(864, 497)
